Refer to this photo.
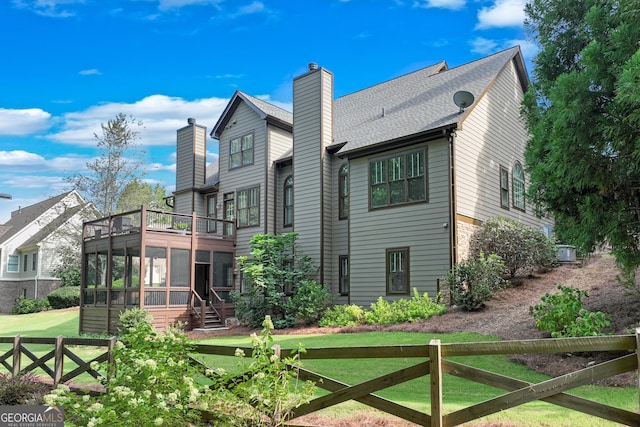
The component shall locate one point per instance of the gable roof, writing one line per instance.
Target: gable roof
(274, 115)
(25, 216)
(52, 226)
(414, 104)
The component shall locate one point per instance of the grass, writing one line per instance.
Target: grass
(47, 324)
(458, 393)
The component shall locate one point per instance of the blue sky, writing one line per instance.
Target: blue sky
(70, 65)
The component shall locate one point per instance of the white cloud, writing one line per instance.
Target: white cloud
(176, 4)
(160, 115)
(90, 72)
(23, 122)
(50, 8)
(484, 46)
(440, 4)
(255, 7)
(20, 161)
(503, 13)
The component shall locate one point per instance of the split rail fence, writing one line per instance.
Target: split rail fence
(431, 360)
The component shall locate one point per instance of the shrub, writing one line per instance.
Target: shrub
(563, 316)
(154, 382)
(275, 280)
(342, 315)
(30, 305)
(519, 246)
(473, 282)
(309, 302)
(132, 319)
(383, 312)
(269, 385)
(417, 308)
(68, 296)
(24, 389)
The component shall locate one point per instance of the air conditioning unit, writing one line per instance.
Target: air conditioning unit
(566, 253)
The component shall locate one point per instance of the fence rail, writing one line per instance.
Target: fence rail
(433, 363)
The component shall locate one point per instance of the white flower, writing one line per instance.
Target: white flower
(158, 421)
(151, 364)
(85, 398)
(147, 393)
(239, 352)
(94, 365)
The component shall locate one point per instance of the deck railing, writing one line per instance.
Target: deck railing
(157, 221)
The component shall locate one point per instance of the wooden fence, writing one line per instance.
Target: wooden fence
(431, 361)
(59, 351)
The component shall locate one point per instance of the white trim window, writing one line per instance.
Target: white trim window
(518, 186)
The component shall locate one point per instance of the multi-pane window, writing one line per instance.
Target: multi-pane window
(504, 187)
(288, 201)
(241, 151)
(518, 186)
(212, 212)
(249, 207)
(13, 263)
(229, 213)
(397, 180)
(343, 192)
(397, 270)
(34, 261)
(344, 274)
(25, 262)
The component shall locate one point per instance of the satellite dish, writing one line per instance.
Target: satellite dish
(463, 99)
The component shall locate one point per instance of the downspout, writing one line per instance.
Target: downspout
(453, 241)
(35, 280)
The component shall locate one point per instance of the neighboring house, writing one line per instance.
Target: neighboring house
(29, 243)
(384, 186)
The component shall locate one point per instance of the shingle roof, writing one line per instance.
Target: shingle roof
(412, 104)
(265, 110)
(52, 226)
(25, 216)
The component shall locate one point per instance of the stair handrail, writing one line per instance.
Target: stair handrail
(203, 306)
(221, 313)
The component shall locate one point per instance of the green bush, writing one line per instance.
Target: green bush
(403, 310)
(132, 319)
(383, 312)
(563, 316)
(276, 278)
(24, 389)
(518, 245)
(308, 302)
(155, 383)
(68, 296)
(473, 282)
(30, 305)
(342, 315)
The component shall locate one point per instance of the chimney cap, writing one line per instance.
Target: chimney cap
(312, 66)
(191, 121)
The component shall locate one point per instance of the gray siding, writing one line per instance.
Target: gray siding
(339, 231)
(420, 227)
(492, 136)
(246, 121)
(312, 131)
(279, 142)
(281, 175)
(190, 168)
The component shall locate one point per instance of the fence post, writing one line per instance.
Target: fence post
(58, 359)
(276, 350)
(435, 374)
(638, 359)
(16, 355)
(111, 370)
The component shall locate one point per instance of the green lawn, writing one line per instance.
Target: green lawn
(458, 393)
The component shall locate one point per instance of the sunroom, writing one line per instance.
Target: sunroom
(179, 268)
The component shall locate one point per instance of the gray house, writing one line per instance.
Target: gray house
(384, 185)
(29, 243)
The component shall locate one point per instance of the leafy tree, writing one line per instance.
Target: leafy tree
(583, 114)
(119, 162)
(276, 283)
(137, 193)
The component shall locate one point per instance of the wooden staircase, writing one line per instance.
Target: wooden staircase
(212, 319)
